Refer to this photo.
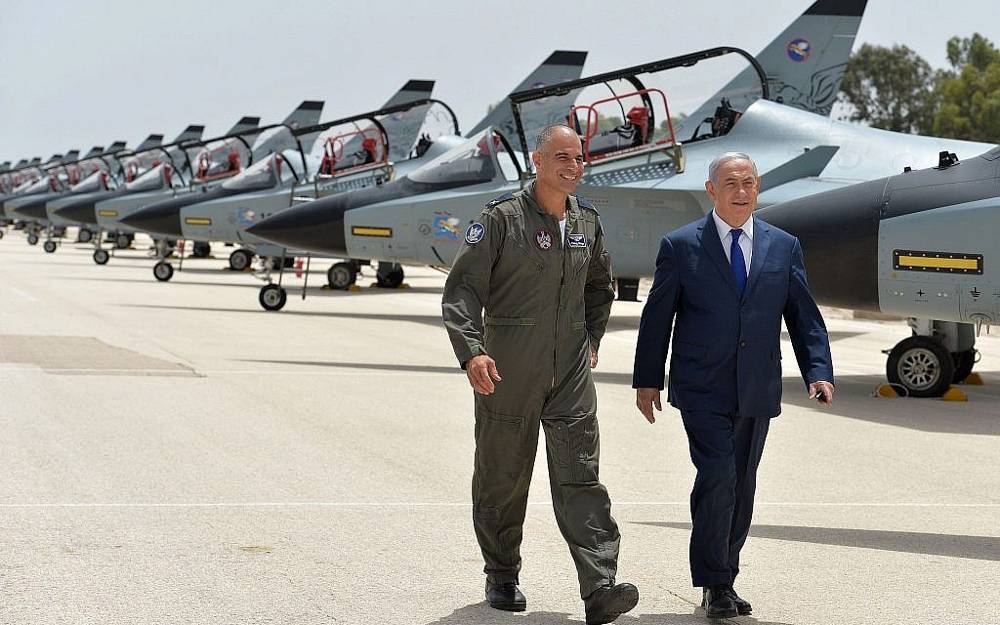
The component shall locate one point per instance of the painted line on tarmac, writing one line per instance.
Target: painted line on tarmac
(423, 504)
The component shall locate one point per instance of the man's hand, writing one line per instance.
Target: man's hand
(821, 392)
(482, 371)
(593, 357)
(645, 399)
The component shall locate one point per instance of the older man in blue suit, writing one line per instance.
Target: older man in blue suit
(722, 286)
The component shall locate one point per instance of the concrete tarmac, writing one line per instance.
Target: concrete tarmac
(174, 454)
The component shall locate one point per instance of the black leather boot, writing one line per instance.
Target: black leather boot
(742, 605)
(717, 602)
(505, 596)
(609, 602)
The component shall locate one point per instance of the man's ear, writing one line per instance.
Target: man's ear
(710, 188)
(536, 158)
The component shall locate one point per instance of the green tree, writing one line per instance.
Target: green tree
(890, 88)
(970, 91)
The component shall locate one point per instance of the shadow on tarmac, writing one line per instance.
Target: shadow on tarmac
(854, 400)
(482, 614)
(948, 545)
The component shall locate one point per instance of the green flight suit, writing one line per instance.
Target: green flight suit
(546, 302)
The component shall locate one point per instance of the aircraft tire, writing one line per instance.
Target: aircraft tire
(123, 241)
(84, 236)
(163, 271)
(201, 249)
(341, 276)
(389, 275)
(964, 363)
(272, 297)
(32, 238)
(922, 366)
(240, 260)
(49, 247)
(101, 257)
(1, 234)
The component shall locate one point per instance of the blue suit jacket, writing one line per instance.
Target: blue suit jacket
(726, 355)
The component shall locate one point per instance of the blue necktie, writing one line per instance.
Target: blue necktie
(736, 262)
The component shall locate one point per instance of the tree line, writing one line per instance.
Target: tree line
(894, 88)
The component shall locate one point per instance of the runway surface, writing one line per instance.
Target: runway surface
(174, 454)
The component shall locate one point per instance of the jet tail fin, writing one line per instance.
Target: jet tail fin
(562, 65)
(94, 151)
(151, 141)
(21, 163)
(5, 166)
(191, 133)
(71, 156)
(803, 65)
(413, 90)
(117, 146)
(245, 123)
(307, 114)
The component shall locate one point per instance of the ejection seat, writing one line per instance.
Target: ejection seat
(631, 134)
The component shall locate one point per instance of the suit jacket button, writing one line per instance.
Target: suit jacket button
(743, 343)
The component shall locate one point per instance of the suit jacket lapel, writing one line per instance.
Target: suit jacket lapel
(761, 245)
(712, 244)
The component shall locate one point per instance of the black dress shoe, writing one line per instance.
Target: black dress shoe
(717, 602)
(742, 605)
(609, 602)
(505, 596)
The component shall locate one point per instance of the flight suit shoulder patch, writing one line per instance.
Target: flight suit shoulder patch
(584, 203)
(500, 200)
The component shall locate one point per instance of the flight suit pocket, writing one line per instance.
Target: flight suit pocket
(577, 325)
(573, 449)
(509, 321)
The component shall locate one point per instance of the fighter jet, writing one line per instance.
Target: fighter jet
(152, 166)
(559, 66)
(53, 178)
(916, 245)
(361, 150)
(217, 161)
(438, 201)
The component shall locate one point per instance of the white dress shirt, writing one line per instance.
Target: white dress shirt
(746, 239)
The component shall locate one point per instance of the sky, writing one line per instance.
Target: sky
(79, 74)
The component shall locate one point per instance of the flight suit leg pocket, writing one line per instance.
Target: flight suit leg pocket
(574, 449)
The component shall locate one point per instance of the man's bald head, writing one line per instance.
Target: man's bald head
(551, 132)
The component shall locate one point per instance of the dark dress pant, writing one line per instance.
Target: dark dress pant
(726, 451)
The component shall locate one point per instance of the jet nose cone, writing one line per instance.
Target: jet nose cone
(164, 218)
(316, 226)
(82, 211)
(34, 209)
(160, 218)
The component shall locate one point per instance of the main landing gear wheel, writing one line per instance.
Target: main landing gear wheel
(922, 366)
(84, 236)
(101, 257)
(201, 249)
(240, 260)
(163, 271)
(1, 234)
(49, 247)
(389, 275)
(964, 362)
(123, 241)
(341, 276)
(32, 239)
(272, 297)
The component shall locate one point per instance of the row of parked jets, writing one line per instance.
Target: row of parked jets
(889, 222)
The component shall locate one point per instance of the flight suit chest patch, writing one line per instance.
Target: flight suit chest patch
(576, 239)
(543, 239)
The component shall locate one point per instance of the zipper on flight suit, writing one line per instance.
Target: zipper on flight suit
(562, 277)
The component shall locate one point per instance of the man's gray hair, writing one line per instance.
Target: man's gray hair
(546, 134)
(725, 157)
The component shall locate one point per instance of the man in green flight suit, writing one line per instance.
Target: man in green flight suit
(535, 261)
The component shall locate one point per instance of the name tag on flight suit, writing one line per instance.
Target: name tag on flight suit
(576, 240)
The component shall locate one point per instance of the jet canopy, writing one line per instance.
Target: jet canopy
(157, 178)
(97, 181)
(639, 115)
(485, 157)
(265, 174)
